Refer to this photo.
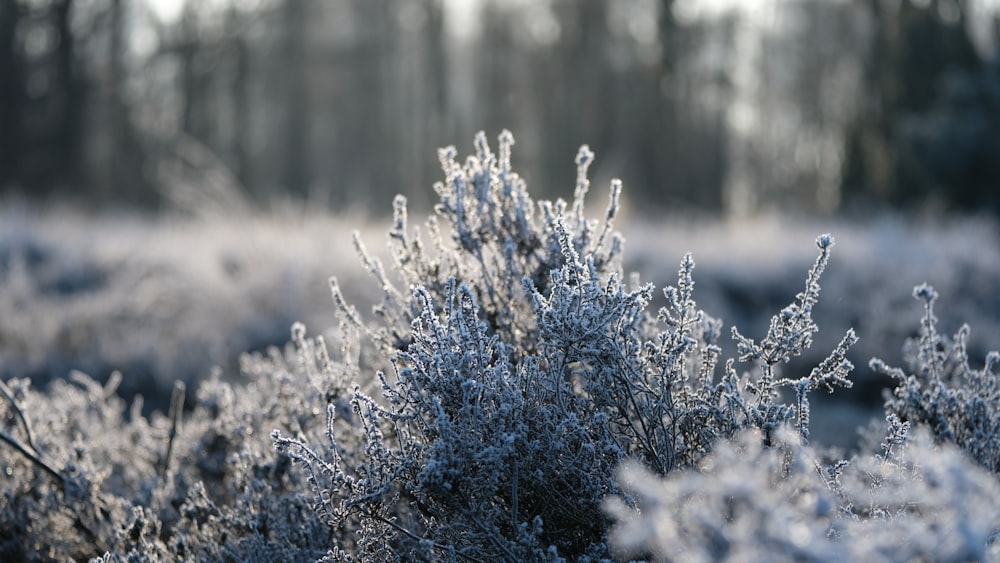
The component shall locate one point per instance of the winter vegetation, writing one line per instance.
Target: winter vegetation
(515, 394)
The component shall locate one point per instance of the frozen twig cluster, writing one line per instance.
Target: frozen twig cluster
(960, 404)
(525, 372)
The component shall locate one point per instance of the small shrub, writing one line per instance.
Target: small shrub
(960, 405)
(524, 371)
(85, 477)
(913, 501)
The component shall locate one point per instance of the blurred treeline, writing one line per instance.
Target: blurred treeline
(806, 105)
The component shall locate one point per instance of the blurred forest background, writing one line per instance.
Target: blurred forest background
(730, 107)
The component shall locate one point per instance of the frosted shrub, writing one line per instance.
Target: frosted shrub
(85, 476)
(920, 498)
(524, 371)
(913, 501)
(959, 404)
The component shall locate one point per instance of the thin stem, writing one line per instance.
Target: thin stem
(176, 410)
(514, 496)
(19, 410)
(33, 456)
(413, 536)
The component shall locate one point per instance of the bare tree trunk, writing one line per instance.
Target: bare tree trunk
(296, 161)
(11, 93)
(70, 100)
(125, 158)
(241, 104)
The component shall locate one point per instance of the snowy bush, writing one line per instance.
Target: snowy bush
(84, 477)
(913, 501)
(959, 404)
(530, 407)
(509, 406)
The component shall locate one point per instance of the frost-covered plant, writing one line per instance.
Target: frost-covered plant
(919, 498)
(790, 333)
(913, 501)
(524, 371)
(86, 477)
(960, 404)
(496, 238)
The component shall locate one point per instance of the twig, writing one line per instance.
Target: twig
(19, 409)
(416, 537)
(514, 497)
(176, 410)
(32, 455)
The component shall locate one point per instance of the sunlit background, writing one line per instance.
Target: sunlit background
(178, 178)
